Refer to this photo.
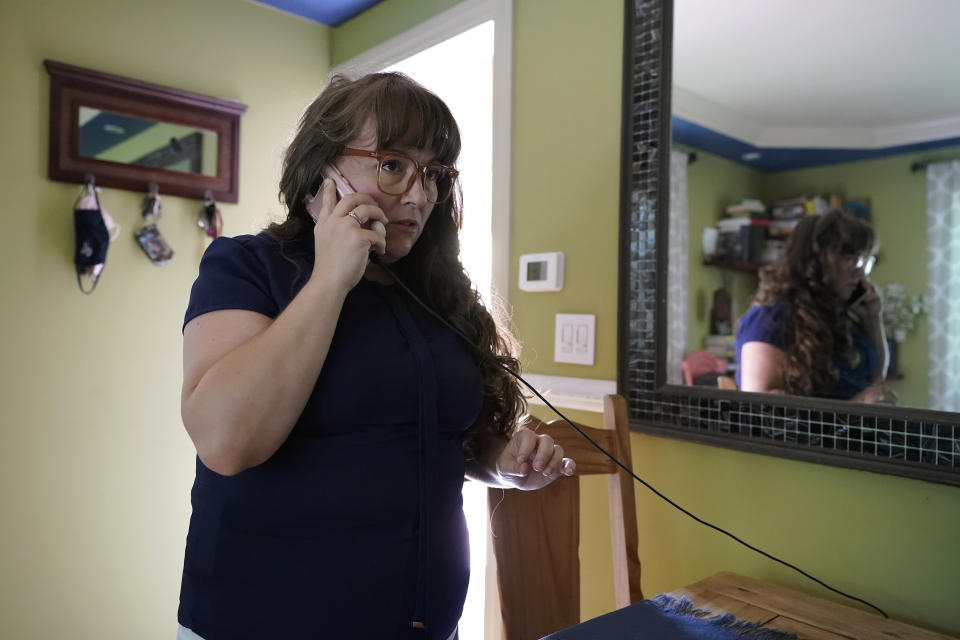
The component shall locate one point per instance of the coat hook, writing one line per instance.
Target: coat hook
(151, 202)
(209, 218)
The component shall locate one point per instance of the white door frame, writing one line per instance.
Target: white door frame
(445, 25)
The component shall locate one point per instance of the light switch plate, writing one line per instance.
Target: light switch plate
(574, 338)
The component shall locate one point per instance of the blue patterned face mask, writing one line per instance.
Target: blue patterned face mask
(92, 231)
(148, 236)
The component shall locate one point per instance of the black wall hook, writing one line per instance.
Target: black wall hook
(151, 202)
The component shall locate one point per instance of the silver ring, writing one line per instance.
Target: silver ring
(353, 214)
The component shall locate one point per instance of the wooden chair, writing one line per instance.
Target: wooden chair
(537, 533)
(727, 382)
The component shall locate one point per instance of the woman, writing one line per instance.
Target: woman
(815, 326)
(334, 418)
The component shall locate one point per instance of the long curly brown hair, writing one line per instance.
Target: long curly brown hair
(406, 114)
(819, 327)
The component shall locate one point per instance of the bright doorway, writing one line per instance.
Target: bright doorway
(465, 55)
(460, 71)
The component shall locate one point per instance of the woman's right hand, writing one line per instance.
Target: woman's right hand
(343, 242)
(868, 309)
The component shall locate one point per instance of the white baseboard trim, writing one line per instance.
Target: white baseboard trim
(585, 394)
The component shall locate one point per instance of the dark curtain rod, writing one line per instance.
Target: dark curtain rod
(915, 167)
(922, 166)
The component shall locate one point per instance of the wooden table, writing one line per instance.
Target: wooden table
(781, 608)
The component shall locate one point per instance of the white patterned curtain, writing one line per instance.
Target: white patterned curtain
(677, 268)
(943, 290)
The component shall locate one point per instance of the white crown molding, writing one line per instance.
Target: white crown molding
(919, 131)
(713, 116)
(716, 117)
(816, 138)
(455, 20)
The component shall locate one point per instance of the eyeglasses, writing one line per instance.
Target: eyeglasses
(865, 264)
(396, 174)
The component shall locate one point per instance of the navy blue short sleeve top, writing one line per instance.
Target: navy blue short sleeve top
(354, 527)
(771, 323)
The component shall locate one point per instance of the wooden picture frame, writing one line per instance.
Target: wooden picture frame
(72, 87)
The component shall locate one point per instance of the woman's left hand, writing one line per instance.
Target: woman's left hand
(531, 461)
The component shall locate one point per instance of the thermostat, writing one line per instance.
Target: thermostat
(541, 271)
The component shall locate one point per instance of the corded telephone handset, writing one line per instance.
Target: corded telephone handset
(857, 294)
(330, 172)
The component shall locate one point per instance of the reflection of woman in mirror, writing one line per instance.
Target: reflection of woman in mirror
(815, 326)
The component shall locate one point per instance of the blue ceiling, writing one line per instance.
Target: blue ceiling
(768, 159)
(329, 12)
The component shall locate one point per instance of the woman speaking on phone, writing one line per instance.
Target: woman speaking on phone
(815, 325)
(334, 417)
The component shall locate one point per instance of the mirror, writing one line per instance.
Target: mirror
(128, 133)
(781, 107)
(115, 137)
(835, 120)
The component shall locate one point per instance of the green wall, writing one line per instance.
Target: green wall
(95, 466)
(712, 184)
(566, 164)
(887, 539)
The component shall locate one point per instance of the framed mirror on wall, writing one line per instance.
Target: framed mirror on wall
(129, 133)
(812, 107)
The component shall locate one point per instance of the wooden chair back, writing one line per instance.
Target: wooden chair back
(727, 382)
(536, 534)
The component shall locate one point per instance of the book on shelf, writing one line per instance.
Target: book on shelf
(790, 202)
(783, 227)
(788, 212)
(800, 206)
(732, 225)
(746, 208)
(725, 225)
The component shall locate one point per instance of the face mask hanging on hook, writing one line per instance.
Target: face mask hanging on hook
(209, 218)
(148, 236)
(94, 230)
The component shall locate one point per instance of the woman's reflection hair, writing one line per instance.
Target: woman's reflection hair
(819, 325)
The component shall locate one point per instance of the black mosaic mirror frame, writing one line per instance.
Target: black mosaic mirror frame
(916, 443)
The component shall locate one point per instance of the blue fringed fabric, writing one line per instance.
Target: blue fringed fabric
(743, 629)
(667, 618)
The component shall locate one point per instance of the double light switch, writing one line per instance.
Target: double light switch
(574, 338)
